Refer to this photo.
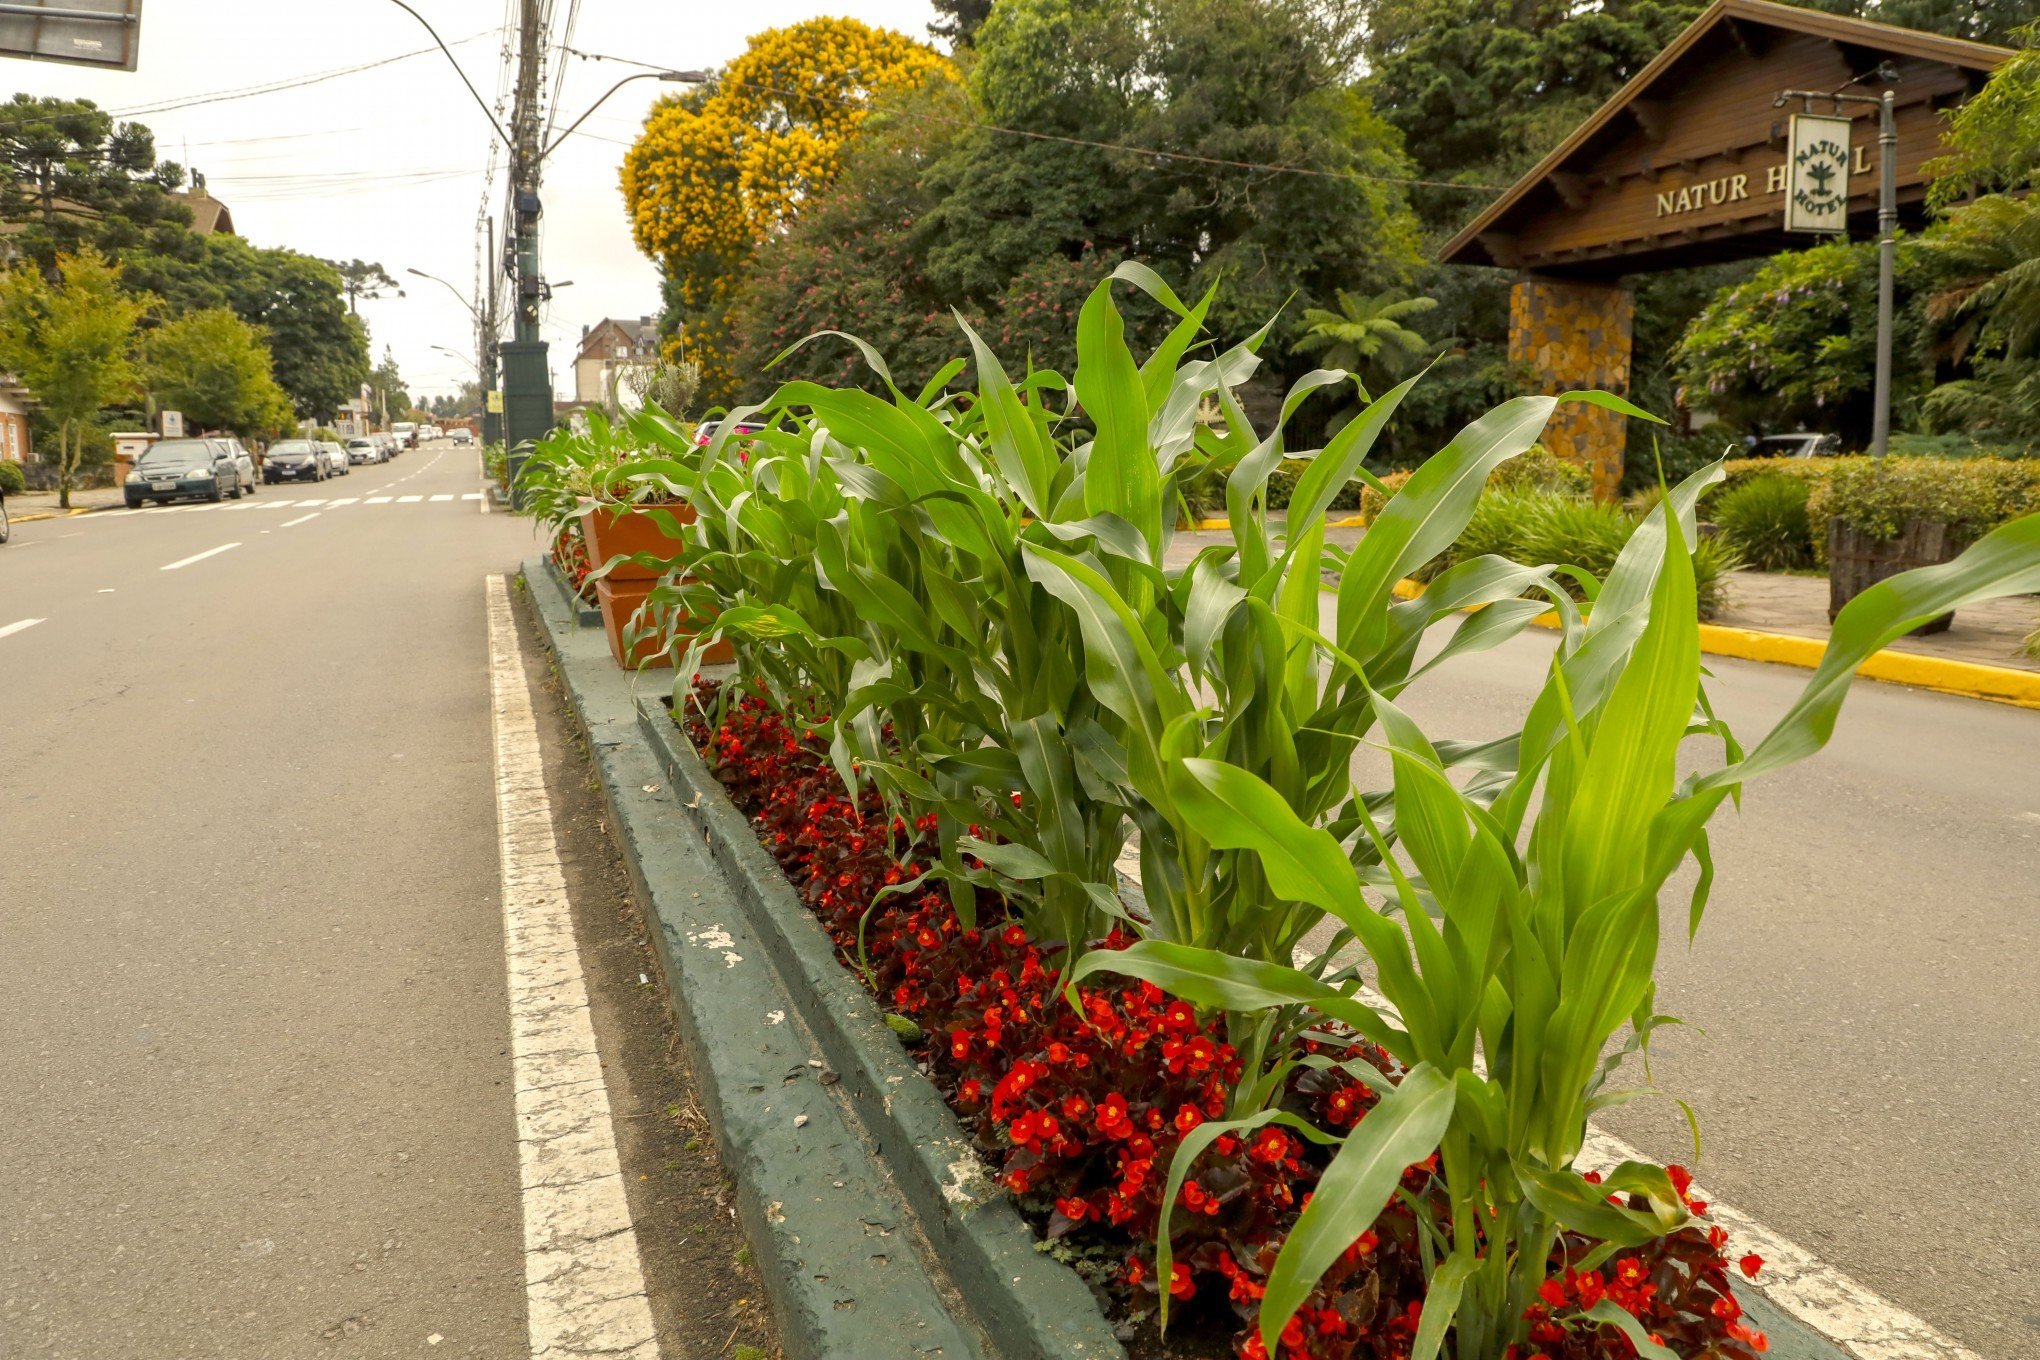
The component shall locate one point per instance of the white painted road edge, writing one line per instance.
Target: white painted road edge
(18, 625)
(584, 1282)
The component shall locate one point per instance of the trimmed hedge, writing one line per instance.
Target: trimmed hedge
(13, 481)
(1878, 497)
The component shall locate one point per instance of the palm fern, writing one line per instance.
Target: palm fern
(1366, 337)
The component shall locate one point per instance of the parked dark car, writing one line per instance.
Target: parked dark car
(295, 460)
(174, 469)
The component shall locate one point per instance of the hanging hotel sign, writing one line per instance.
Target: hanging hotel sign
(1817, 174)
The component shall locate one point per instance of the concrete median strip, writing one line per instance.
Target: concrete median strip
(584, 1280)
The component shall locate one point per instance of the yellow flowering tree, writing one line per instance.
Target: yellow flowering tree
(719, 170)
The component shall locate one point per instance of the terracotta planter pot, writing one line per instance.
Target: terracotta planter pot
(621, 530)
(1856, 561)
(620, 600)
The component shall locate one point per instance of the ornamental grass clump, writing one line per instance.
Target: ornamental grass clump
(965, 602)
(1764, 522)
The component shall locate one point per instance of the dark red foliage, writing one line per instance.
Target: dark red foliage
(1080, 1111)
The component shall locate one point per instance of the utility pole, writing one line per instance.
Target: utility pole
(492, 420)
(527, 376)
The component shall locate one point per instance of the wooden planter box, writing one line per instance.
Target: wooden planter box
(622, 530)
(620, 601)
(1856, 561)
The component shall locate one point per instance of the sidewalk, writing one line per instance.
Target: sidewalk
(43, 504)
(1989, 634)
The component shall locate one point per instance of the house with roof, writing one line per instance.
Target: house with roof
(608, 348)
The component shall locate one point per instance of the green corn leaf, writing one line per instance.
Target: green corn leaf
(1402, 1128)
(1336, 464)
(1441, 1303)
(1565, 1198)
(1122, 476)
(1608, 1311)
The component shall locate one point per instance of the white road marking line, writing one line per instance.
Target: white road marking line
(584, 1282)
(18, 625)
(442, 498)
(316, 500)
(408, 500)
(299, 520)
(377, 500)
(470, 495)
(200, 557)
(344, 500)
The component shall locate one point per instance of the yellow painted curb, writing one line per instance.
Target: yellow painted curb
(1999, 684)
(73, 512)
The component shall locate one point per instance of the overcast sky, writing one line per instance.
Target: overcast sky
(387, 164)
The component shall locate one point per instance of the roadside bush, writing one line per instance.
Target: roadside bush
(13, 481)
(1736, 471)
(1539, 469)
(1879, 497)
(1764, 522)
(1371, 501)
(1681, 455)
(1542, 527)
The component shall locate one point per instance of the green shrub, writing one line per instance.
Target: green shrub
(1539, 469)
(1681, 455)
(13, 481)
(1764, 521)
(1539, 527)
(1880, 496)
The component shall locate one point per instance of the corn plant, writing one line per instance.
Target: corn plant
(1514, 942)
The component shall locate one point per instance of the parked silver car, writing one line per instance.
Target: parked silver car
(244, 462)
(364, 451)
(336, 458)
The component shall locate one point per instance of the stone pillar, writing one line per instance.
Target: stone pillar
(1576, 336)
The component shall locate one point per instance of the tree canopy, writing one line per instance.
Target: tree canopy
(74, 177)
(72, 342)
(214, 367)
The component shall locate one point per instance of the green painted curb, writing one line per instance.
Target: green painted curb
(1037, 1307)
(847, 1269)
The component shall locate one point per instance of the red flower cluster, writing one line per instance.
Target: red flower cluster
(1080, 1110)
(570, 555)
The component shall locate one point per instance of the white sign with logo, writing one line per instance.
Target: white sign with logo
(173, 424)
(1817, 183)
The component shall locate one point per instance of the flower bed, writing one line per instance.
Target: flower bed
(1080, 1108)
(570, 555)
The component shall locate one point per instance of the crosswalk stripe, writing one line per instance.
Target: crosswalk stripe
(407, 500)
(442, 498)
(378, 500)
(344, 500)
(471, 496)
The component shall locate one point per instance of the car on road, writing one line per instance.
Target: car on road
(461, 434)
(336, 458)
(391, 445)
(173, 469)
(295, 460)
(1799, 444)
(406, 433)
(428, 432)
(250, 476)
(364, 451)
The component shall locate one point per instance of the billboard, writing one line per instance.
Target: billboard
(102, 33)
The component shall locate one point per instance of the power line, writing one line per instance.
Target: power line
(1220, 161)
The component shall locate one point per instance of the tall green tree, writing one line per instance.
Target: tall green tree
(72, 343)
(214, 367)
(386, 387)
(71, 177)
(363, 279)
(319, 348)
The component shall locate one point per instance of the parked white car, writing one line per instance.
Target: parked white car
(336, 458)
(364, 451)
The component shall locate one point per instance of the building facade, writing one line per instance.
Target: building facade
(608, 348)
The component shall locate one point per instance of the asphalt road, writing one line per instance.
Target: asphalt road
(252, 1006)
(1862, 1004)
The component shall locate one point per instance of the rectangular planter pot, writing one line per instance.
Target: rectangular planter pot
(585, 615)
(619, 601)
(1856, 561)
(623, 530)
(1031, 1304)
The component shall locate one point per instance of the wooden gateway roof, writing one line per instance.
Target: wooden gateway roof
(1685, 164)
